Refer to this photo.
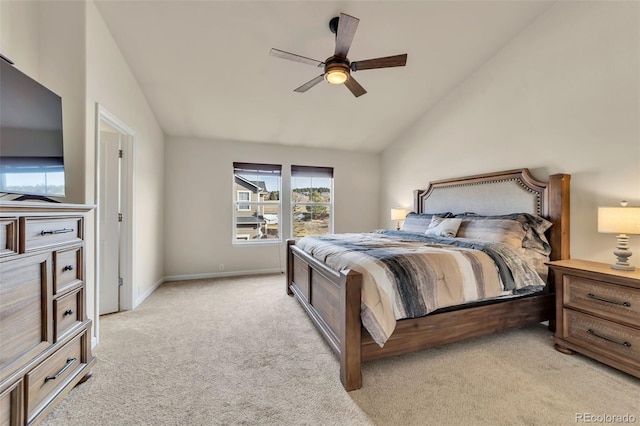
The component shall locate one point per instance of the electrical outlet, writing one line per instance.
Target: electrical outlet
(221, 267)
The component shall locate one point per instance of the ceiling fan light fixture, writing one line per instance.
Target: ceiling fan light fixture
(338, 68)
(336, 76)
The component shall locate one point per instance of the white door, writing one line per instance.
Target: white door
(109, 212)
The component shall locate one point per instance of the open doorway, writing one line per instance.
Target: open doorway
(114, 230)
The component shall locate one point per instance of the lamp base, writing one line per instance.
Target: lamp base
(622, 253)
(623, 267)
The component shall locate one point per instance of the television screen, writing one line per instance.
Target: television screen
(31, 152)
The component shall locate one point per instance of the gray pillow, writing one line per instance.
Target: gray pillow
(534, 226)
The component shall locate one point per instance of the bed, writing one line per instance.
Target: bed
(333, 298)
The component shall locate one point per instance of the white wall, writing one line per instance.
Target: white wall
(198, 208)
(111, 84)
(561, 97)
(19, 35)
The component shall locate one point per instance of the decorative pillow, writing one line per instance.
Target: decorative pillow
(497, 230)
(535, 227)
(418, 223)
(443, 227)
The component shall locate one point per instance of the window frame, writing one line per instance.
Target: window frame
(240, 237)
(311, 172)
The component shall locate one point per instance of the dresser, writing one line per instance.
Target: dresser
(598, 312)
(45, 336)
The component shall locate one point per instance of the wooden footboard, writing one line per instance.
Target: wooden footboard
(332, 300)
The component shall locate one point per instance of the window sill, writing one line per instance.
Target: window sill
(255, 243)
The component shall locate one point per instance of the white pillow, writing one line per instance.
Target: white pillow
(443, 227)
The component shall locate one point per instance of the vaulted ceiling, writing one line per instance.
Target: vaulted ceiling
(205, 67)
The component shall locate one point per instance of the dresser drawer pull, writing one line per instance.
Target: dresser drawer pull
(614, 302)
(67, 312)
(617, 342)
(68, 268)
(56, 231)
(70, 361)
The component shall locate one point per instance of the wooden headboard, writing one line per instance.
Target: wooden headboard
(511, 191)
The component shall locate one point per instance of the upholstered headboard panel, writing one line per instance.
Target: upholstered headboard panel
(500, 195)
(512, 191)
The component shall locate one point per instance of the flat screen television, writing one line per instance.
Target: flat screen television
(31, 151)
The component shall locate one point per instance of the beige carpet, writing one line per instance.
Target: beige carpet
(240, 351)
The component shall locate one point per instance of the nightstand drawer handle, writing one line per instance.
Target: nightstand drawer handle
(617, 342)
(615, 302)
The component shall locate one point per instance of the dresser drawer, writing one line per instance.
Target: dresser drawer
(615, 302)
(605, 337)
(46, 380)
(37, 233)
(68, 271)
(67, 313)
(8, 236)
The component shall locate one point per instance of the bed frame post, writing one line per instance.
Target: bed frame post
(289, 254)
(559, 214)
(350, 341)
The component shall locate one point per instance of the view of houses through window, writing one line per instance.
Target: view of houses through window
(257, 202)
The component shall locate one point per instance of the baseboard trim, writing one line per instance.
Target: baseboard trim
(187, 277)
(141, 298)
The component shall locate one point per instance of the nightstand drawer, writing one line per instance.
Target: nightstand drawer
(608, 338)
(615, 302)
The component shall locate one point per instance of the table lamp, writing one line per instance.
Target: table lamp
(398, 214)
(622, 221)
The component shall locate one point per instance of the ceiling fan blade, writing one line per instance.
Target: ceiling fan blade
(355, 87)
(386, 62)
(293, 57)
(309, 84)
(347, 26)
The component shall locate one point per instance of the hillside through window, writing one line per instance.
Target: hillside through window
(311, 200)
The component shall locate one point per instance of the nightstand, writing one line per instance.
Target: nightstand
(598, 312)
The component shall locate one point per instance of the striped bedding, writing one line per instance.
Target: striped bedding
(406, 275)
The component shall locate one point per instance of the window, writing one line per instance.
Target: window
(311, 200)
(256, 189)
(244, 196)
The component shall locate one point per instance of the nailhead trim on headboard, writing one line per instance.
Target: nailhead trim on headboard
(520, 177)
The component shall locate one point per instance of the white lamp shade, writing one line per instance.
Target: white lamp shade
(619, 220)
(398, 214)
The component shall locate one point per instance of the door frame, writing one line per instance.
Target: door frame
(127, 201)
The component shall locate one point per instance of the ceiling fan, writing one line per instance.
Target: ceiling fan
(338, 68)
